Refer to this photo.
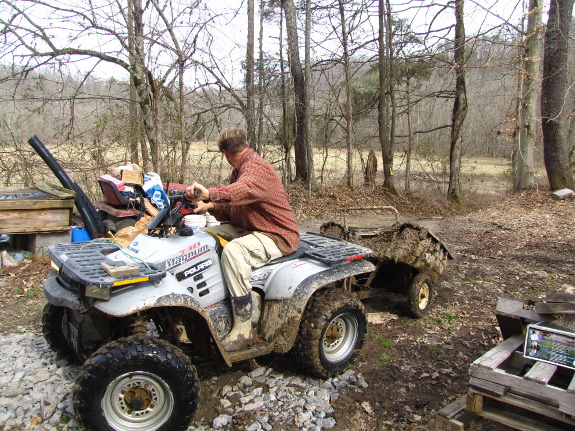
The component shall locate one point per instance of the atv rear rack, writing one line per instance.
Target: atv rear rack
(83, 267)
(330, 250)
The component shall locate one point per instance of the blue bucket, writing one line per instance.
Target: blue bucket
(80, 234)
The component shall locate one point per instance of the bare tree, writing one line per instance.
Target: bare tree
(553, 93)
(528, 107)
(386, 105)
(459, 105)
(348, 110)
(250, 68)
(302, 170)
(32, 32)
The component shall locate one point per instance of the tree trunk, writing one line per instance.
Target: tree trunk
(348, 109)
(285, 138)
(301, 156)
(261, 93)
(133, 127)
(528, 119)
(409, 138)
(459, 105)
(307, 61)
(386, 122)
(553, 94)
(250, 90)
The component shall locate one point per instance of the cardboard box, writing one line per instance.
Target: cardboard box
(132, 177)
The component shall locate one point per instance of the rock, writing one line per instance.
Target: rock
(222, 421)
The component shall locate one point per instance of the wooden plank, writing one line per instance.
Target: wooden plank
(513, 308)
(488, 387)
(520, 412)
(560, 297)
(555, 308)
(118, 271)
(57, 191)
(541, 372)
(496, 356)
(565, 401)
(27, 204)
(34, 220)
(454, 408)
(455, 416)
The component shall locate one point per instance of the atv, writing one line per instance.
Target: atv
(140, 317)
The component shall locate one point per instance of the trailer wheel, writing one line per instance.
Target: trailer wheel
(54, 330)
(136, 383)
(419, 294)
(331, 334)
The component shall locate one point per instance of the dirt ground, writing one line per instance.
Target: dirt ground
(520, 247)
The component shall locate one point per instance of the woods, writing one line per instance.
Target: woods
(427, 86)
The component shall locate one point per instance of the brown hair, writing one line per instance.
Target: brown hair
(232, 139)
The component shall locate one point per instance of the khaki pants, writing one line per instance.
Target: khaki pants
(242, 254)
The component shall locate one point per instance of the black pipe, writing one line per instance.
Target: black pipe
(95, 227)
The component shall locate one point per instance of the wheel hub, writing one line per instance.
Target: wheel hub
(334, 334)
(340, 337)
(137, 401)
(423, 296)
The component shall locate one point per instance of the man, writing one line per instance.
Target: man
(262, 226)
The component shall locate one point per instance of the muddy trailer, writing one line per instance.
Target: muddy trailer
(409, 259)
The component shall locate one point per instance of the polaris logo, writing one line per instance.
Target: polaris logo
(194, 269)
(180, 260)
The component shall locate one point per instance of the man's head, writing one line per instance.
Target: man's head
(232, 140)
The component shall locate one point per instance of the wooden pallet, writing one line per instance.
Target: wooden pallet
(520, 392)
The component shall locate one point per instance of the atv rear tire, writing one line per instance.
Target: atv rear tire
(419, 295)
(137, 383)
(331, 333)
(53, 321)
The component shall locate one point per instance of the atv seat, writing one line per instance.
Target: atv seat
(111, 193)
(302, 248)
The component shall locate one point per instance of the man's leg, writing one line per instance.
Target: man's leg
(238, 259)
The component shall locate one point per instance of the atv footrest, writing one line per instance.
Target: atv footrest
(331, 250)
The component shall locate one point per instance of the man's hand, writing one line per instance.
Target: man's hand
(204, 193)
(202, 207)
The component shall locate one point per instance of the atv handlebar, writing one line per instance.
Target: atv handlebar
(170, 216)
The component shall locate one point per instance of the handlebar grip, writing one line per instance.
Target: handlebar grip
(197, 193)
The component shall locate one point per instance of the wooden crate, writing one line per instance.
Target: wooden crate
(520, 392)
(44, 208)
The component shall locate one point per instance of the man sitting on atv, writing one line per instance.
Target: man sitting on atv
(262, 226)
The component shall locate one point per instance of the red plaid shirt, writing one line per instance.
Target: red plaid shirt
(255, 200)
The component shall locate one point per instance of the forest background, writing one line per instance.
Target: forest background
(333, 93)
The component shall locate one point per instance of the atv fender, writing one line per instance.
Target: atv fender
(169, 293)
(284, 306)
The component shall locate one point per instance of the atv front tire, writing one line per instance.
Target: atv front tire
(419, 294)
(331, 333)
(136, 383)
(53, 321)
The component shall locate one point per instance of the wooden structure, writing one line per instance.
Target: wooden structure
(43, 213)
(508, 388)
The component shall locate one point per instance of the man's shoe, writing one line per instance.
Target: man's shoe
(246, 310)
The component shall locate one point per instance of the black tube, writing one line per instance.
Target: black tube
(95, 227)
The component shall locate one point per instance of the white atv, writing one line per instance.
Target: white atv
(140, 317)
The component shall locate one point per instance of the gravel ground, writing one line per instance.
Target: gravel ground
(37, 393)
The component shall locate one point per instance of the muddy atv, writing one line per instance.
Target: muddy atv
(139, 318)
(408, 259)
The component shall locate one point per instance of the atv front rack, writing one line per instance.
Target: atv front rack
(79, 265)
(332, 251)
